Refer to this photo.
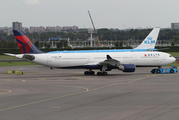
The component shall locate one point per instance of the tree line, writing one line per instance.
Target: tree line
(8, 41)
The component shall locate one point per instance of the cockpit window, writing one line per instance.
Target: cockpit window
(170, 56)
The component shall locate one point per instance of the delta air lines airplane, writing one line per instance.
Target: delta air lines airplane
(103, 60)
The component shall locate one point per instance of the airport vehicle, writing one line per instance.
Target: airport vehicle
(94, 59)
(172, 69)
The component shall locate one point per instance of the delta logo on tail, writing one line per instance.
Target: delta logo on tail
(149, 41)
(25, 44)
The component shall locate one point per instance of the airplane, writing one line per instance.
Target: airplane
(90, 60)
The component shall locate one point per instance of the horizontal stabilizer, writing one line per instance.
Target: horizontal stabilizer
(9, 54)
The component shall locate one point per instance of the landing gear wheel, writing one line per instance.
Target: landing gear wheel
(102, 73)
(89, 73)
(158, 71)
(105, 73)
(86, 73)
(171, 71)
(153, 71)
(99, 73)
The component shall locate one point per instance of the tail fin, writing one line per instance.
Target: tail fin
(150, 41)
(25, 44)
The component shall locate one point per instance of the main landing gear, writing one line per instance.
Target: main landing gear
(89, 73)
(93, 73)
(102, 73)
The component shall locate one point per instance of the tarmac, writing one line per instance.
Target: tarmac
(45, 94)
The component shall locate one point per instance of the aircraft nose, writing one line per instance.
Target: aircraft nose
(174, 58)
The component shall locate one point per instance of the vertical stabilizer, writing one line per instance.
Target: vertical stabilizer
(150, 41)
(25, 44)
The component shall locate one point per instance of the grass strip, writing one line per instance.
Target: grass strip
(7, 57)
(2, 64)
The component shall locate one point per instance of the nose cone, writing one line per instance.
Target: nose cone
(174, 59)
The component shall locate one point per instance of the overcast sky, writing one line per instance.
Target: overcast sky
(105, 13)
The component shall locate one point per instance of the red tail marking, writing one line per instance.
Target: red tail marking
(26, 41)
(21, 47)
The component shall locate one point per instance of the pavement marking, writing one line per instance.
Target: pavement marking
(169, 74)
(121, 83)
(150, 106)
(87, 90)
(23, 80)
(133, 106)
(18, 106)
(106, 86)
(41, 78)
(5, 91)
(147, 76)
(55, 107)
(73, 87)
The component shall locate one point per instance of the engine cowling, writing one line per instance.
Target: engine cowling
(127, 67)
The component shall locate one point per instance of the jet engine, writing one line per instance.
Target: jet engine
(28, 57)
(127, 67)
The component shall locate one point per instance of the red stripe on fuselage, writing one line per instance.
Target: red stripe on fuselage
(26, 41)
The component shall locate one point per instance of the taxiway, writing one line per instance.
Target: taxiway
(44, 94)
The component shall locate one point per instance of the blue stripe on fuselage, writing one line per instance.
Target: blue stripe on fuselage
(99, 51)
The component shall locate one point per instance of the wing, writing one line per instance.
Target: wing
(115, 63)
(110, 61)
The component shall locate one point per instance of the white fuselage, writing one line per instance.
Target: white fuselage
(62, 60)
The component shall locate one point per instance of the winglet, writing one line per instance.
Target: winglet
(150, 41)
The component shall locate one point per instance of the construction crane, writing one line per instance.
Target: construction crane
(94, 29)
